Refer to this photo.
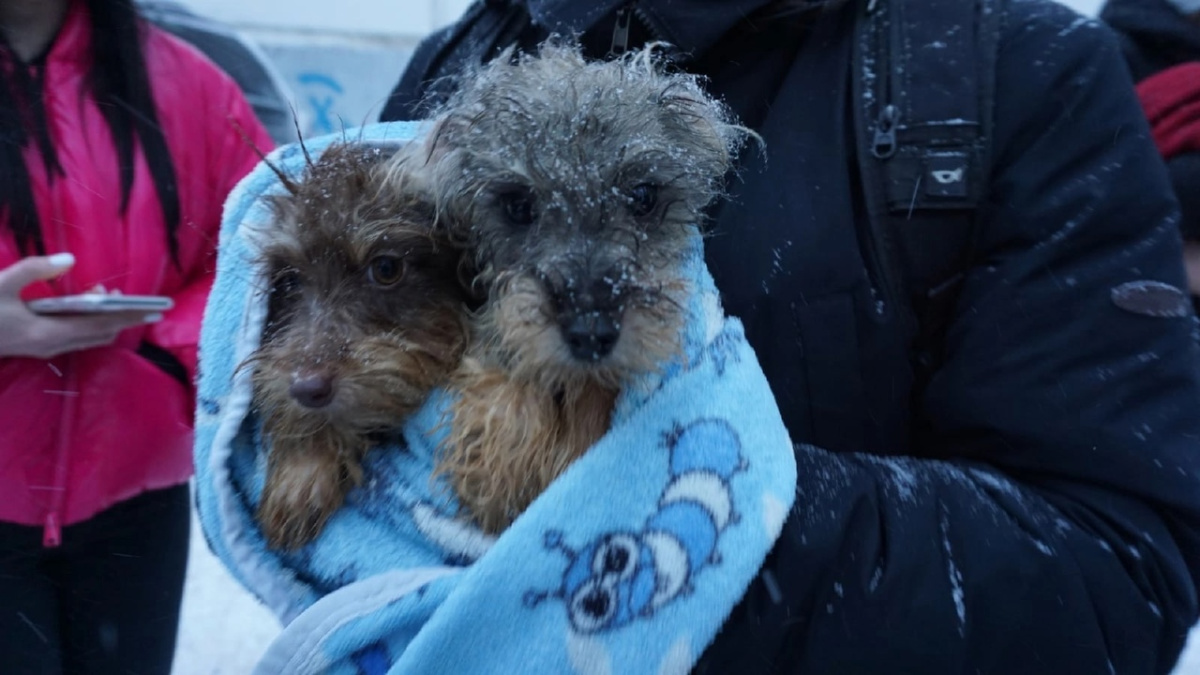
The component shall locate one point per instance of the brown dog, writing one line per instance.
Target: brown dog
(576, 185)
(365, 317)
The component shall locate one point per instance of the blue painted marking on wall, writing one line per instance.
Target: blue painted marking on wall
(320, 92)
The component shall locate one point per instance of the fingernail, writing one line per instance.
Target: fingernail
(62, 259)
(151, 318)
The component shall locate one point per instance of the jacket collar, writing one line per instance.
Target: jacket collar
(73, 42)
(690, 25)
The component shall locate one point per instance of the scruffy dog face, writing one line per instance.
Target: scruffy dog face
(365, 317)
(574, 182)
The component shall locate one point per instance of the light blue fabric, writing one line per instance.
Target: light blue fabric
(628, 563)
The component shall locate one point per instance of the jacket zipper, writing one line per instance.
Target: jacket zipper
(621, 29)
(53, 522)
(883, 147)
(620, 37)
(52, 530)
(884, 144)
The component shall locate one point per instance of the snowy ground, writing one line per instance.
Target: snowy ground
(1190, 663)
(223, 630)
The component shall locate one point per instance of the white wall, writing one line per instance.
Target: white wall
(405, 19)
(341, 57)
(1084, 6)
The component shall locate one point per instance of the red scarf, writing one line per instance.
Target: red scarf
(1171, 100)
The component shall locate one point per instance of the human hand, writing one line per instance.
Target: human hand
(24, 333)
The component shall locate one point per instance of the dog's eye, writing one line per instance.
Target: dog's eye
(643, 198)
(385, 270)
(285, 282)
(518, 207)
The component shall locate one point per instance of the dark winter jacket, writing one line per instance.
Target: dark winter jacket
(1036, 509)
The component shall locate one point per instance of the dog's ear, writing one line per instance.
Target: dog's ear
(703, 125)
(693, 118)
(407, 166)
(363, 159)
(369, 153)
(288, 184)
(697, 116)
(429, 166)
(283, 206)
(438, 141)
(453, 119)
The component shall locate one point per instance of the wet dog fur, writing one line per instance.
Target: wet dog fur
(365, 318)
(575, 185)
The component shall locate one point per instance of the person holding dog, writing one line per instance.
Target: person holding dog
(1025, 498)
(120, 145)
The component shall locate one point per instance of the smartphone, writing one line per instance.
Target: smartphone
(99, 303)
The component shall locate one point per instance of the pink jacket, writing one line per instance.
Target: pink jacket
(85, 430)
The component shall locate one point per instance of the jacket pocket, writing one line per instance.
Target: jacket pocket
(164, 361)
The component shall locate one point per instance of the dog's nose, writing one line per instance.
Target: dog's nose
(591, 336)
(312, 390)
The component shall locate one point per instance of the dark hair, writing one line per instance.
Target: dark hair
(119, 82)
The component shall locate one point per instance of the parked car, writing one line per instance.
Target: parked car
(262, 84)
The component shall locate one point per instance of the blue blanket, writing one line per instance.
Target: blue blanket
(629, 562)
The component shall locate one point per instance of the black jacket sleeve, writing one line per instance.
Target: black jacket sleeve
(1050, 526)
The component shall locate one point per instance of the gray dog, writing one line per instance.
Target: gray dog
(575, 184)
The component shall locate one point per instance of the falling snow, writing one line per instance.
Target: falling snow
(956, 579)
